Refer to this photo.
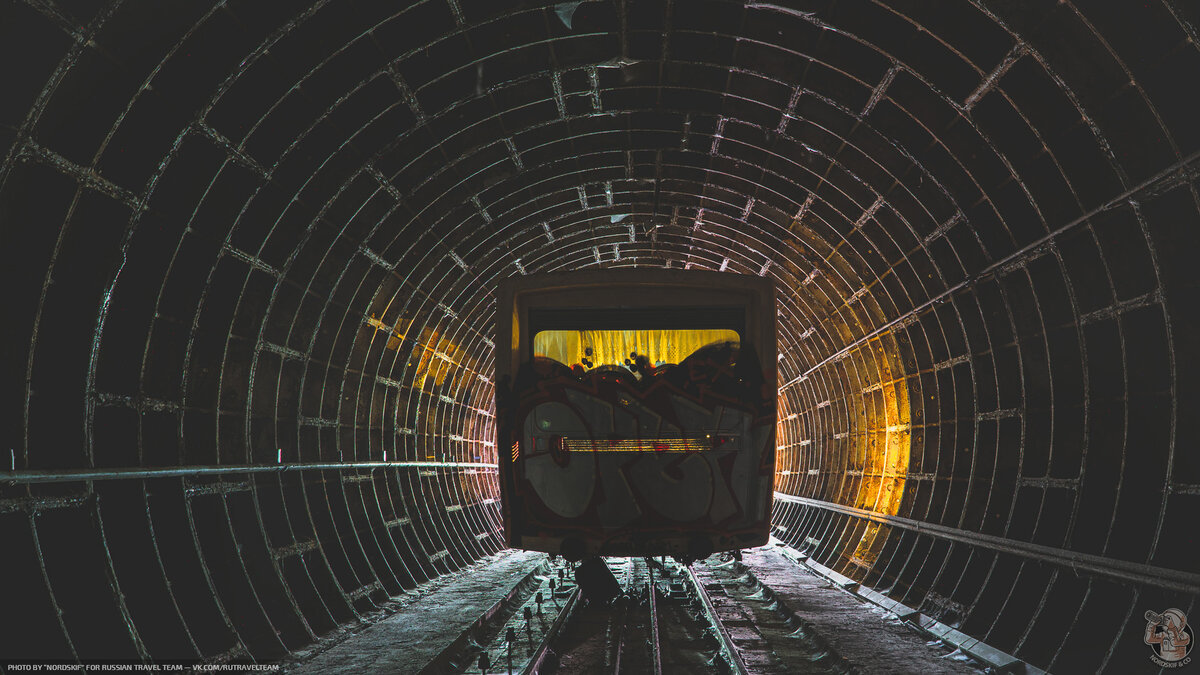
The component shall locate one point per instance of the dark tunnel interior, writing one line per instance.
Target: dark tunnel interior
(251, 248)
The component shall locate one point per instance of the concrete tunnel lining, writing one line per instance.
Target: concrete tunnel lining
(251, 250)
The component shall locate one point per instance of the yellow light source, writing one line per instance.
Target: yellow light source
(613, 347)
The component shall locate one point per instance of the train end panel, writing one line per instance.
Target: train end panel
(645, 457)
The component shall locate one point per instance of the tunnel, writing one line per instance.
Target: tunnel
(251, 250)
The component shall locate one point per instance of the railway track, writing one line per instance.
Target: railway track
(665, 620)
(714, 617)
(657, 625)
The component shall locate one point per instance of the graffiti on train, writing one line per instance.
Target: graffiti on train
(688, 445)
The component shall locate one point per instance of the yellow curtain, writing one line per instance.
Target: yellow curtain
(612, 347)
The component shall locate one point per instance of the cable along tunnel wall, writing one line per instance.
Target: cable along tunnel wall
(252, 248)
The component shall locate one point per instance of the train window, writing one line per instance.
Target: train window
(594, 348)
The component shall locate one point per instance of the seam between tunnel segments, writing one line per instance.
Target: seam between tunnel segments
(997, 265)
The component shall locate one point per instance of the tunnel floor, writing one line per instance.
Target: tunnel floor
(422, 629)
(866, 638)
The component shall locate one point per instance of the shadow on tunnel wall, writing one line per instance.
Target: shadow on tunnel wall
(249, 251)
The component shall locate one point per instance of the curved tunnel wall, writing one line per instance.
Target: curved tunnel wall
(250, 250)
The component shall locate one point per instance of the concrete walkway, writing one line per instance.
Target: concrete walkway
(409, 639)
(870, 642)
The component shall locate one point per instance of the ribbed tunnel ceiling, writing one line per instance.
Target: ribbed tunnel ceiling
(251, 250)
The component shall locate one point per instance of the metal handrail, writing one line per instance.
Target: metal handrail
(73, 475)
(1139, 573)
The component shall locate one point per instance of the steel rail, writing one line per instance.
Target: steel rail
(618, 641)
(74, 475)
(1138, 573)
(535, 662)
(728, 649)
(655, 648)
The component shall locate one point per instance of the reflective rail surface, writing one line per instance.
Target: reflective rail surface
(728, 649)
(543, 650)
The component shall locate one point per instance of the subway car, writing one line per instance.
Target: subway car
(635, 412)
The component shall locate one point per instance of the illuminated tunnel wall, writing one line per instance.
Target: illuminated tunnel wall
(250, 250)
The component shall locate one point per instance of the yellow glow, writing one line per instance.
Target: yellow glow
(866, 457)
(887, 444)
(433, 364)
(612, 347)
(433, 357)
